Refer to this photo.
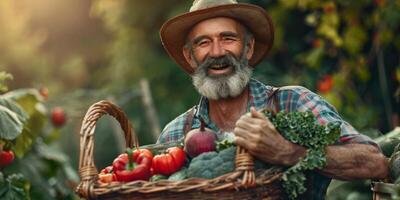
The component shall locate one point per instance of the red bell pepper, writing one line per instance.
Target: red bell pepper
(130, 167)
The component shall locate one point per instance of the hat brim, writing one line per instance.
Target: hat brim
(173, 33)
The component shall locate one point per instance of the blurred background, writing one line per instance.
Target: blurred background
(59, 57)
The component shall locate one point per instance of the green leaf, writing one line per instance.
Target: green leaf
(13, 106)
(3, 77)
(50, 153)
(28, 99)
(225, 143)
(49, 171)
(2, 179)
(354, 39)
(15, 187)
(10, 124)
(303, 128)
(54, 135)
(31, 131)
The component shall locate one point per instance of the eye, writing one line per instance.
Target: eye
(203, 43)
(229, 39)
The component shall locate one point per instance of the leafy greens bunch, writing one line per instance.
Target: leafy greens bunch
(302, 128)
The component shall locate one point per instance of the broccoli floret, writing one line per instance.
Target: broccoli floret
(206, 174)
(225, 168)
(206, 156)
(212, 164)
(228, 154)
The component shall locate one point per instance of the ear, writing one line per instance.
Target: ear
(250, 46)
(188, 56)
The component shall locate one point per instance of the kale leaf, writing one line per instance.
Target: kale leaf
(303, 128)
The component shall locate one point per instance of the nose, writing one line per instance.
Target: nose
(216, 50)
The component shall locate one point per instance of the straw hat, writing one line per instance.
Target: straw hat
(173, 32)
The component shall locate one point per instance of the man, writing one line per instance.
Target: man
(218, 43)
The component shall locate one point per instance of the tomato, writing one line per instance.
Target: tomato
(107, 170)
(151, 171)
(169, 162)
(44, 92)
(58, 117)
(145, 152)
(379, 2)
(6, 157)
(325, 84)
(107, 175)
(107, 178)
(316, 43)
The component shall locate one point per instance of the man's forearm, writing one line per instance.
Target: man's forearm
(349, 161)
(355, 161)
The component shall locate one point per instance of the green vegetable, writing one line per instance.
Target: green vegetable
(157, 177)
(212, 164)
(302, 128)
(179, 175)
(225, 143)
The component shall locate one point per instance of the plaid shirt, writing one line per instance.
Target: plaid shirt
(290, 98)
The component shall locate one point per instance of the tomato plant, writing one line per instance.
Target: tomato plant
(24, 130)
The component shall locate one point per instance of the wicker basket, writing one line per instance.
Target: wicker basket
(243, 183)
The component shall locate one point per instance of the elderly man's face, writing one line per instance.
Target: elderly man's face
(219, 52)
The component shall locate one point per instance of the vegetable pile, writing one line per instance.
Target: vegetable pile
(141, 165)
(302, 128)
(218, 158)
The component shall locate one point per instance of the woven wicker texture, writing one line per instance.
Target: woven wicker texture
(243, 183)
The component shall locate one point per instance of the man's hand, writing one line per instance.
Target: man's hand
(258, 135)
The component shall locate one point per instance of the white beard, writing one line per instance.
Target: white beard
(222, 87)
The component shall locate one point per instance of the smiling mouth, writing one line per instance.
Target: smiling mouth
(219, 70)
(219, 66)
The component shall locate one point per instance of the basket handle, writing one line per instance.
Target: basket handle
(87, 169)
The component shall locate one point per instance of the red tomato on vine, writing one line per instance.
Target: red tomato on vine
(325, 84)
(6, 157)
(58, 117)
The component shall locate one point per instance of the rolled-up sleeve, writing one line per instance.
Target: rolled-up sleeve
(306, 100)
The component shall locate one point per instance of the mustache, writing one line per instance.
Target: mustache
(227, 59)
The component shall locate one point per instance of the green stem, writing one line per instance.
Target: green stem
(130, 164)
